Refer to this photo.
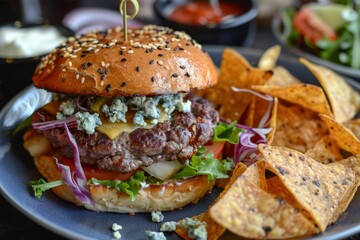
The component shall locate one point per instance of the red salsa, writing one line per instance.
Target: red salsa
(202, 13)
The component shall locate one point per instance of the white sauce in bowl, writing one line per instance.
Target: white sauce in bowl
(28, 42)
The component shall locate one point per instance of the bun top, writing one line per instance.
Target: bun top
(154, 61)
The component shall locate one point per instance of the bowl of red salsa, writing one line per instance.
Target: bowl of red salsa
(228, 22)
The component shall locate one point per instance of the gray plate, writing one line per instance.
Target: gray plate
(348, 71)
(67, 220)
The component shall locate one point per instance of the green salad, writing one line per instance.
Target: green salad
(329, 31)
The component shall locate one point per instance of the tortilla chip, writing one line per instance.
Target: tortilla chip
(298, 128)
(269, 58)
(354, 126)
(282, 77)
(343, 136)
(306, 95)
(273, 122)
(256, 174)
(250, 212)
(344, 101)
(214, 229)
(325, 151)
(318, 188)
(235, 71)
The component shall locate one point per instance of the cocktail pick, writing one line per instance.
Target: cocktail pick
(123, 12)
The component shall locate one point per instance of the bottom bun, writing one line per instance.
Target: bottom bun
(160, 197)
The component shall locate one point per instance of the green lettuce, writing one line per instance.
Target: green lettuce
(201, 164)
(224, 132)
(131, 187)
(40, 186)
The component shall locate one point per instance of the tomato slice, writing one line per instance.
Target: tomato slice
(311, 26)
(92, 171)
(216, 148)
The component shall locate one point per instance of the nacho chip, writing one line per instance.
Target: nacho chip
(354, 126)
(344, 101)
(250, 212)
(343, 136)
(325, 151)
(297, 128)
(306, 95)
(235, 71)
(318, 188)
(256, 174)
(273, 122)
(282, 77)
(214, 229)
(269, 58)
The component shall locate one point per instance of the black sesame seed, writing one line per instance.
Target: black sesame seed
(123, 84)
(137, 68)
(83, 66)
(147, 51)
(187, 44)
(159, 48)
(175, 49)
(174, 75)
(121, 52)
(182, 67)
(123, 59)
(181, 49)
(151, 62)
(160, 54)
(100, 70)
(103, 77)
(187, 74)
(108, 87)
(89, 64)
(106, 71)
(153, 79)
(151, 49)
(82, 55)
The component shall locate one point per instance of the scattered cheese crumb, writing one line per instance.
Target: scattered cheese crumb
(117, 235)
(116, 227)
(156, 216)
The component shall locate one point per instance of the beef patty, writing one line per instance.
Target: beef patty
(178, 139)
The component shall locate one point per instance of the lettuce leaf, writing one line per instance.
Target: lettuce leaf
(201, 164)
(40, 186)
(224, 132)
(131, 187)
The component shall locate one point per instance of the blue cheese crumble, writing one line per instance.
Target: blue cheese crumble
(88, 122)
(116, 112)
(66, 109)
(169, 226)
(116, 227)
(195, 229)
(155, 235)
(157, 216)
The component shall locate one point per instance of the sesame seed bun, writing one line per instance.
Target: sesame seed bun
(154, 61)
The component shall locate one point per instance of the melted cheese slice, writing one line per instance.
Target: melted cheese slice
(113, 130)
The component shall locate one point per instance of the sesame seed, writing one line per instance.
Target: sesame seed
(123, 84)
(89, 64)
(130, 51)
(82, 79)
(123, 59)
(182, 67)
(102, 64)
(160, 54)
(160, 62)
(77, 76)
(63, 69)
(70, 64)
(106, 71)
(137, 68)
(151, 62)
(174, 75)
(121, 52)
(96, 50)
(153, 79)
(107, 65)
(101, 83)
(187, 74)
(83, 66)
(100, 70)
(123, 47)
(103, 77)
